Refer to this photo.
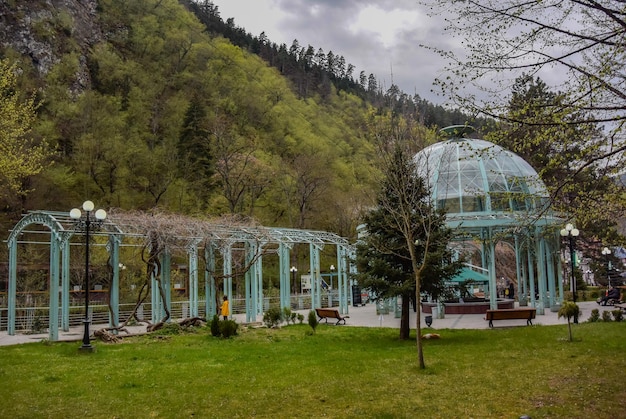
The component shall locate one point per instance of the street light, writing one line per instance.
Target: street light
(571, 232)
(606, 252)
(332, 273)
(86, 222)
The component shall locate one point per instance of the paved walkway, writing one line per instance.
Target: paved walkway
(359, 316)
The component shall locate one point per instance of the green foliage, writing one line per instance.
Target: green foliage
(273, 317)
(595, 316)
(228, 328)
(223, 328)
(22, 156)
(313, 322)
(214, 326)
(570, 310)
(539, 129)
(618, 315)
(606, 316)
(169, 328)
(405, 251)
(264, 363)
(300, 318)
(289, 316)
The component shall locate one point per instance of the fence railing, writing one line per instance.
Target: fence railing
(37, 318)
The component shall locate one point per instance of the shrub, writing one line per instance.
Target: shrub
(223, 328)
(273, 317)
(595, 316)
(169, 328)
(287, 314)
(606, 316)
(228, 328)
(313, 322)
(215, 326)
(300, 318)
(617, 315)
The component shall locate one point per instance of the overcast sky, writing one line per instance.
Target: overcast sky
(382, 37)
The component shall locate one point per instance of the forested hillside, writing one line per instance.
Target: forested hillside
(314, 72)
(148, 109)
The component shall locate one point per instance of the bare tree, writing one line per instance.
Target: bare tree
(580, 45)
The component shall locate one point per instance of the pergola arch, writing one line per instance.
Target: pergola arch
(164, 235)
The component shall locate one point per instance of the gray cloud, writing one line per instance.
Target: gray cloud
(330, 25)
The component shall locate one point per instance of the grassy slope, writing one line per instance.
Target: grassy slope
(338, 372)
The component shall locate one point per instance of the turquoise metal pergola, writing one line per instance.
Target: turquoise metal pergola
(176, 235)
(492, 196)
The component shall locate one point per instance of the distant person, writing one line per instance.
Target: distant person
(511, 291)
(613, 294)
(224, 310)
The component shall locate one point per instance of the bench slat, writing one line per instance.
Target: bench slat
(330, 313)
(511, 313)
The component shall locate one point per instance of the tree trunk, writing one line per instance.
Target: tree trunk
(405, 327)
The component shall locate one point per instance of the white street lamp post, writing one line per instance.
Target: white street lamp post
(571, 232)
(85, 222)
(606, 252)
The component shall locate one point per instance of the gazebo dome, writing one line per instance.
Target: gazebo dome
(475, 177)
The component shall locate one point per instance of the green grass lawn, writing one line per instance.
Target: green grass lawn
(338, 372)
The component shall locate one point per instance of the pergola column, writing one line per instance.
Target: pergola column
(285, 285)
(53, 328)
(342, 286)
(192, 251)
(209, 281)
(113, 247)
(158, 305)
(316, 284)
(65, 283)
(228, 273)
(251, 283)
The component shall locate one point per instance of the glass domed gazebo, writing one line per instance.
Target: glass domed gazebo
(492, 196)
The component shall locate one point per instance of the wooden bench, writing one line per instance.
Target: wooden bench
(331, 313)
(524, 313)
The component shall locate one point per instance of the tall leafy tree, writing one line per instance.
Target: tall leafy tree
(21, 155)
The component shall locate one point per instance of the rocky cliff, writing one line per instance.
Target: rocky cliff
(45, 30)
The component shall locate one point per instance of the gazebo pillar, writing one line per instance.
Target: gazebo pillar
(493, 290)
(531, 276)
(541, 273)
(518, 268)
(549, 267)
